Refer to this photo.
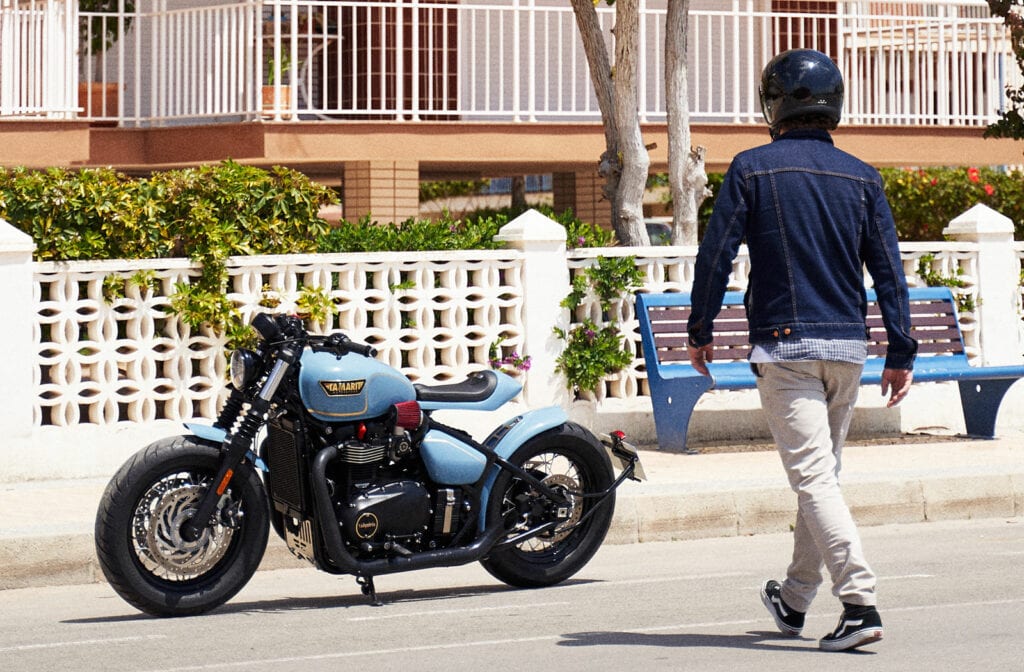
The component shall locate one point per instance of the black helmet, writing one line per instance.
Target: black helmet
(800, 82)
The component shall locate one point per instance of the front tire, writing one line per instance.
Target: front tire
(138, 540)
(567, 459)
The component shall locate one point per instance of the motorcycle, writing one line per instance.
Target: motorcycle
(357, 477)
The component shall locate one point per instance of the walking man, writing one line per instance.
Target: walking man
(813, 217)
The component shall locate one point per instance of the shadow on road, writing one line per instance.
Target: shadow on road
(762, 641)
(346, 601)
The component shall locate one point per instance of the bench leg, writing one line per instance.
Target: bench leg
(673, 408)
(980, 400)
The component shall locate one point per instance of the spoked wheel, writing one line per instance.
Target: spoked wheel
(138, 530)
(569, 463)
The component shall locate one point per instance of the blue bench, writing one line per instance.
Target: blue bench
(675, 386)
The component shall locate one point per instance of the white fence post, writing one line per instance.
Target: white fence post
(999, 320)
(17, 352)
(545, 283)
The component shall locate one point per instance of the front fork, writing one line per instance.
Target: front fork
(237, 445)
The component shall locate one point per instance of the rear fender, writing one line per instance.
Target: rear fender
(513, 433)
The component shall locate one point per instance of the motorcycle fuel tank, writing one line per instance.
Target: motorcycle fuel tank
(350, 388)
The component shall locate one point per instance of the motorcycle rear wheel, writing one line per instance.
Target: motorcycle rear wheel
(138, 523)
(568, 460)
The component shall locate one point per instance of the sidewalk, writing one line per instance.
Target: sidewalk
(46, 535)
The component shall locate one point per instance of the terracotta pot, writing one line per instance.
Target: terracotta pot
(268, 101)
(99, 99)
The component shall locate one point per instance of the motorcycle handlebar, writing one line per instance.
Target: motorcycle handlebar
(342, 344)
(271, 330)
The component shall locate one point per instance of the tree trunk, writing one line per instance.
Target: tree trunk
(629, 228)
(600, 67)
(686, 175)
(519, 193)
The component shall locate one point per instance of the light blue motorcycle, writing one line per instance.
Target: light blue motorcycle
(357, 478)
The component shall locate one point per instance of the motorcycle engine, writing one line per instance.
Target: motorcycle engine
(384, 502)
(386, 513)
(381, 501)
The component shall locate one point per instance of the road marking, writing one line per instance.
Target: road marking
(80, 642)
(956, 605)
(258, 662)
(440, 612)
(664, 579)
(906, 576)
(353, 654)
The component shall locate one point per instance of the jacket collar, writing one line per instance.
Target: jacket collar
(806, 134)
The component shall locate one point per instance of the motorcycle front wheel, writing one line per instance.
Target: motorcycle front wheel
(138, 530)
(566, 460)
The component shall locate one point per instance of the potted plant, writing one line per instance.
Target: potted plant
(96, 34)
(277, 69)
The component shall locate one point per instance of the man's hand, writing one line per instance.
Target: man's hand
(699, 357)
(896, 380)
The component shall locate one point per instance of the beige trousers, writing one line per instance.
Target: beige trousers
(809, 405)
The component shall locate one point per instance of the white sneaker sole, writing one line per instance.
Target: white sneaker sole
(852, 640)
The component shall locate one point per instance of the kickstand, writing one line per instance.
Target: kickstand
(366, 585)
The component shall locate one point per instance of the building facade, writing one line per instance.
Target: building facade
(377, 95)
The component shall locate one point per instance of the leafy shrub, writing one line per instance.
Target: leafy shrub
(925, 201)
(205, 213)
(593, 352)
(412, 235)
(472, 232)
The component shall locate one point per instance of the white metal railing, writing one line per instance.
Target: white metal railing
(37, 52)
(939, 62)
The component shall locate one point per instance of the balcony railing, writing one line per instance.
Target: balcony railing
(941, 63)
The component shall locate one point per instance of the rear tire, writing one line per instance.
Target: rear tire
(568, 459)
(138, 541)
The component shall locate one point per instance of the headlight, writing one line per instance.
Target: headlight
(245, 367)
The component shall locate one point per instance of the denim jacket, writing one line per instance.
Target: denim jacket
(813, 217)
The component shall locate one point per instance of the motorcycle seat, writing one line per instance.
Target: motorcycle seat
(478, 386)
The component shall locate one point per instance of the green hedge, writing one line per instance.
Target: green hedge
(211, 211)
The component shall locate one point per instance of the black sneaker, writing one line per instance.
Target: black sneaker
(788, 620)
(857, 626)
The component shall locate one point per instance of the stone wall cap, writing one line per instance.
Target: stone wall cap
(13, 239)
(980, 219)
(533, 226)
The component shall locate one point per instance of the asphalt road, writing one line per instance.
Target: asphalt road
(951, 597)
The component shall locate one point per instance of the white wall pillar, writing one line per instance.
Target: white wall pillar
(545, 284)
(17, 350)
(999, 322)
